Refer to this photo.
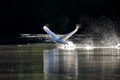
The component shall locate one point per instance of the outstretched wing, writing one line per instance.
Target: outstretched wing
(65, 37)
(48, 31)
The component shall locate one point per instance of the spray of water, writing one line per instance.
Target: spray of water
(99, 32)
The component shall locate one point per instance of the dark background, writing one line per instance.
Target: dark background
(29, 16)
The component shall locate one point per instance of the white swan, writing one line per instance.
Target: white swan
(62, 39)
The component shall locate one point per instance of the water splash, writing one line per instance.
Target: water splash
(69, 46)
(99, 32)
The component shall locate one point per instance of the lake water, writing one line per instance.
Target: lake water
(45, 62)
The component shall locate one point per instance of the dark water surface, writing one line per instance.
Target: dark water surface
(43, 62)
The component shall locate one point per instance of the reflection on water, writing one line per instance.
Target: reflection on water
(60, 63)
(98, 64)
(38, 62)
(101, 65)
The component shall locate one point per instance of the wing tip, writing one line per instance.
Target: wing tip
(78, 26)
(45, 26)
